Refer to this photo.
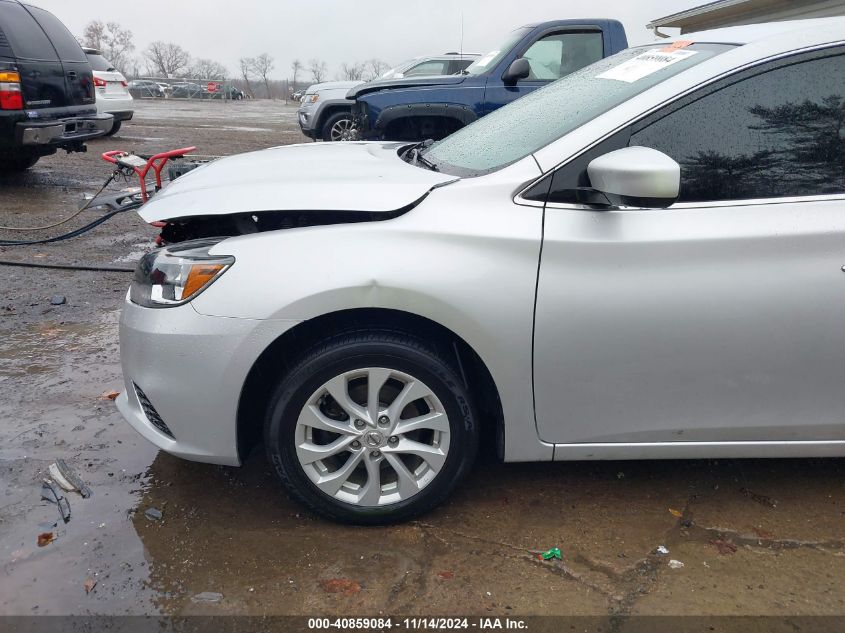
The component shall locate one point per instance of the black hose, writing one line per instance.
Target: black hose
(81, 230)
(103, 269)
(66, 236)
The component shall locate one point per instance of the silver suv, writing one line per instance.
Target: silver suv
(325, 112)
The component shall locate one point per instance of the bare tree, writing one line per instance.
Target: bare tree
(208, 69)
(167, 58)
(262, 65)
(375, 68)
(318, 70)
(112, 40)
(295, 66)
(351, 72)
(246, 64)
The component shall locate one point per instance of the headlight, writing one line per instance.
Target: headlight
(311, 98)
(174, 275)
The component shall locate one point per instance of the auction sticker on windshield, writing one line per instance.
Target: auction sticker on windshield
(645, 64)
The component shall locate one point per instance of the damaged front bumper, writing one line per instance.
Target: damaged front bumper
(183, 374)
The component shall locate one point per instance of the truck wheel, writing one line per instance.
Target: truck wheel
(371, 427)
(339, 127)
(115, 128)
(18, 162)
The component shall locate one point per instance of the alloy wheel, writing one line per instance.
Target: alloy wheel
(372, 436)
(343, 130)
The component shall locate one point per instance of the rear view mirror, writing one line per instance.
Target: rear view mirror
(636, 177)
(519, 69)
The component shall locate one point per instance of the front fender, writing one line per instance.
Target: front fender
(466, 258)
(460, 112)
(376, 110)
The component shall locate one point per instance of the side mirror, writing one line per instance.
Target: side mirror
(636, 177)
(519, 69)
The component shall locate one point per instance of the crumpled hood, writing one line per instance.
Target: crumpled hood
(405, 82)
(310, 177)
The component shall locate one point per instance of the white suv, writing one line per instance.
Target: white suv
(111, 88)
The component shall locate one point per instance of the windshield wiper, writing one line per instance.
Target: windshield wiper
(413, 154)
(422, 160)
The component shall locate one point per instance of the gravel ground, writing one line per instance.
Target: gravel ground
(755, 537)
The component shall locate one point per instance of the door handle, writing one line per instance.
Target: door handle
(71, 74)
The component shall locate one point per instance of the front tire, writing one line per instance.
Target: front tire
(339, 127)
(371, 427)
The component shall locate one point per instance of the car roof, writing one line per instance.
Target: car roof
(822, 28)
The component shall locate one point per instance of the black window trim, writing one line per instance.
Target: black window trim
(667, 107)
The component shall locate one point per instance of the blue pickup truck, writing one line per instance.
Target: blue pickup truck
(532, 56)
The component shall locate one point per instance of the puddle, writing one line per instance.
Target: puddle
(48, 346)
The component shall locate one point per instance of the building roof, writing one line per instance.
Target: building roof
(734, 12)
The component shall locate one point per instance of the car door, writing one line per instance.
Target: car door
(719, 318)
(550, 57)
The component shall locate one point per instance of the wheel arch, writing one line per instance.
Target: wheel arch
(451, 115)
(278, 358)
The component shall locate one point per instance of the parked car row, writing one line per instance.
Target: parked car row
(150, 89)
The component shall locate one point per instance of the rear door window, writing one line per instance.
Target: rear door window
(28, 40)
(65, 43)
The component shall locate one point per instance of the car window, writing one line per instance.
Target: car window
(99, 63)
(560, 54)
(544, 115)
(68, 48)
(27, 38)
(431, 67)
(777, 133)
(458, 65)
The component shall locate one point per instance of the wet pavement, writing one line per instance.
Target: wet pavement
(755, 537)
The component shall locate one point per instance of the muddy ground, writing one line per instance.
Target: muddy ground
(755, 537)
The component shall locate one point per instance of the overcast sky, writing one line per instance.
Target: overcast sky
(343, 30)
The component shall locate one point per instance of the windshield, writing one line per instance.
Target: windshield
(532, 122)
(488, 61)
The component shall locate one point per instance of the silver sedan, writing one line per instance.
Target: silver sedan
(642, 260)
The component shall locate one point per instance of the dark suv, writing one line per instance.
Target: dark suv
(47, 96)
